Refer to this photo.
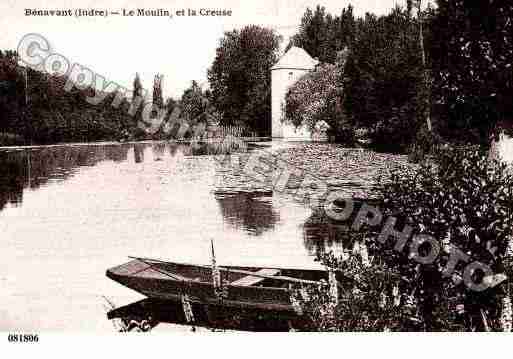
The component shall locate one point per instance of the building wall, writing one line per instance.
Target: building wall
(281, 80)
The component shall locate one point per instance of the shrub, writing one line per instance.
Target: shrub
(370, 299)
(463, 199)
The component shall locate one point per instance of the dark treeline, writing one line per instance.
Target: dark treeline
(398, 81)
(35, 108)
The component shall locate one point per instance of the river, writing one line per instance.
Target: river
(67, 213)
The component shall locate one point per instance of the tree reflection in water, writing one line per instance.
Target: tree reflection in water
(33, 168)
(321, 234)
(250, 211)
(139, 152)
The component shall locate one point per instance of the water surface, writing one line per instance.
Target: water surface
(68, 213)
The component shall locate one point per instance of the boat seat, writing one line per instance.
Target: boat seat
(250, 280)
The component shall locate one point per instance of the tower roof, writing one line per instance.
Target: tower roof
(295, 58)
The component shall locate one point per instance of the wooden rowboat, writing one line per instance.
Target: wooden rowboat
(244, 287)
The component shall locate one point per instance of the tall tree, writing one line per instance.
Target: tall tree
(137, 100)
(158, 100)
(381, 76)
(138, 89)
(426, 78)
(317, 97)
(472, 48)
(194, 104)
(240, 77)
(322, 35)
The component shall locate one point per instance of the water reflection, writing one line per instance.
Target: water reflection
(158, 149)
(139, 153)
(244, 209)
(117, 154)
(33, 168)
(89, 206)
(13, 179)
(253, 212)
(213, 317)
(321, 234)
(216, 148)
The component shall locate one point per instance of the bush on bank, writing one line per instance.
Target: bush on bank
(462, 198)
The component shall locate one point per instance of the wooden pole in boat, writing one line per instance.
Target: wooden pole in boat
(216, 280)
(29, 168)
(216, 274)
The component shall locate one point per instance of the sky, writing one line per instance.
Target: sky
(181, 48)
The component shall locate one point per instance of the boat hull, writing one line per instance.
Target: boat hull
(154, 282)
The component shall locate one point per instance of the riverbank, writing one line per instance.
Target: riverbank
(107, 143)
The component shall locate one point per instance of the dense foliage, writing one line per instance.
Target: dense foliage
(447, 68)
(158, 99)
(194, 103)
(369, 298)
(315, 98)
(322, 35)
(35, 108)
(464, 200)
(472, 50)
(240, 77)
(378, 85)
